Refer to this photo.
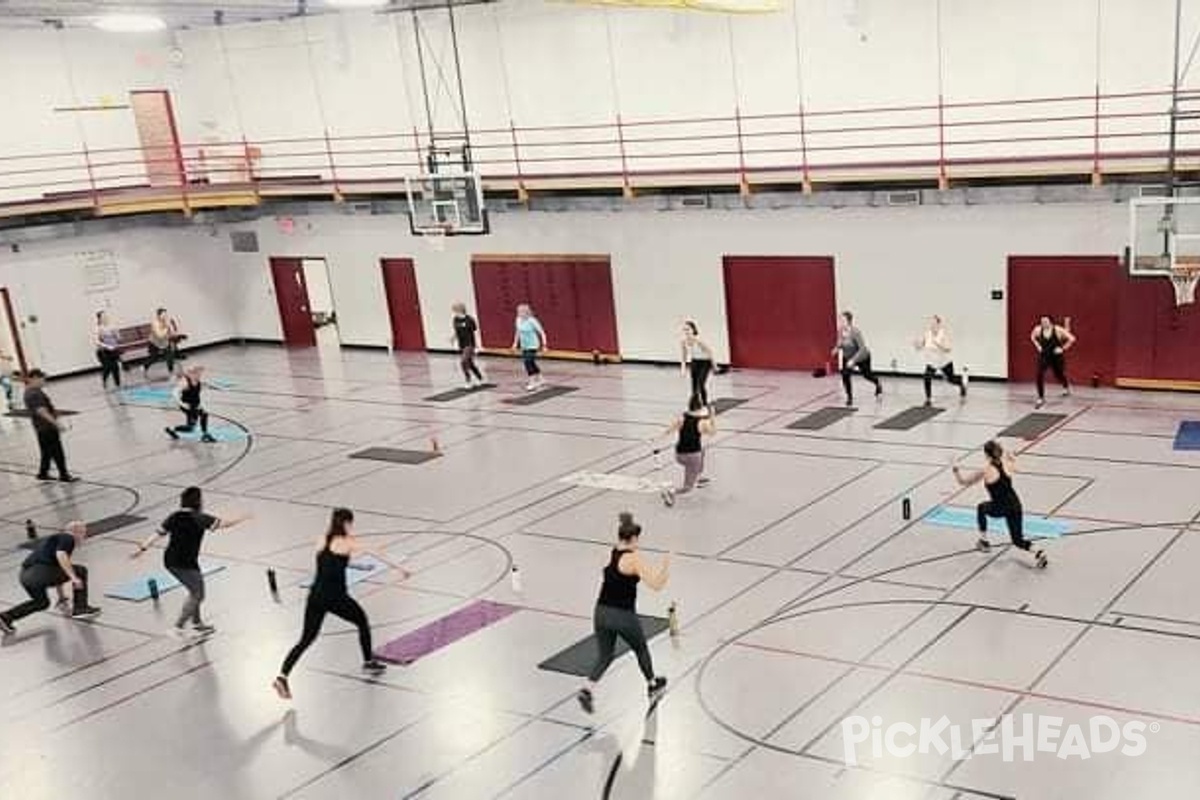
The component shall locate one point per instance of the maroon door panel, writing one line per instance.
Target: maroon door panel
(291, 295)
(781, 311)
(1158, 340)
(404, 303)
(571, 296)
(1084, 288)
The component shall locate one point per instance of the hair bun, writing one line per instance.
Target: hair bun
(625, 518)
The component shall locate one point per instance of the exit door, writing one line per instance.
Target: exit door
(404, 303)
(291, 295)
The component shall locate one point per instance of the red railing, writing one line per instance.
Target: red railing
(1081, 134)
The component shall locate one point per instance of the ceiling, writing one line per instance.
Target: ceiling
(178, 13)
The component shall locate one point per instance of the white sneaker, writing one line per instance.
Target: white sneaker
(468, 386)
(529, 387)
(181, 633)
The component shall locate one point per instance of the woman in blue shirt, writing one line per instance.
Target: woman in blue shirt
(530, 338)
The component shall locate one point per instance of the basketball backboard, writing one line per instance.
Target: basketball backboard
(446, 204)
(1164, 242)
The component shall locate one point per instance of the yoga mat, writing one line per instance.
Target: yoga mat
(223, 433)
(455, 394)
(358, 571)
(821, 418)
(1035, 527)
(723, 404)
(138, 589)
(1188, 437)
(579, 658)
(1031, 426)
(549, 393)
(220, 383)
(613, 482)
(110, 524)
(394, 455)
(444, 632)
(909, 418)
(23, 413)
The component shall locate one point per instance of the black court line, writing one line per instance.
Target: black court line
(540, 396)
(458, 394)
(723, 404)
(1032, 426)
(822, 418)
(909, 418)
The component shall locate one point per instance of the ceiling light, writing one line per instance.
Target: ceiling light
(129, 23)
(357, 3)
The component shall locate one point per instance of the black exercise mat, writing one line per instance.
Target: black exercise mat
(110, 524)
(394, 455)
(455, 394)
(579, 658)
(909, 418)
(821, 418)
(23, 413)
(1031, 426)
(541, 395)
(723, 404)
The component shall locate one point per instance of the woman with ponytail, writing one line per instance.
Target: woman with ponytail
(616, 609)
(1002, 502)
(329, 595)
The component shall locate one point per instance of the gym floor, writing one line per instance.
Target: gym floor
(804, 596)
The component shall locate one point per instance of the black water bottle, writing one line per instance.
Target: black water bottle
(30, 530)
(271, 582)
(906, 508)
(152, 585)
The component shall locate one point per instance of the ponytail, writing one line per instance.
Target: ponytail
(626, 528)
(994, 453)
(337, 524)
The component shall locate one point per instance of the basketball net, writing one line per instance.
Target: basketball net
(1184, 279)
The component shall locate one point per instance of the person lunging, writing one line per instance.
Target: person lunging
(1003, 502)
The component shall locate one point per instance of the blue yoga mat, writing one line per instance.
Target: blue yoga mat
(220, 383)
(1035, 527)
(359, 570)
(148, 394)
(1188, 437)
(224, 433)
(138, 589)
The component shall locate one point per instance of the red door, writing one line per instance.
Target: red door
(781, 311)
(1083, 288)
(291, 294)
(404, 304)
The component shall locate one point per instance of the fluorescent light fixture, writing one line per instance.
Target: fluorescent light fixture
(357, 3)
(129, 23)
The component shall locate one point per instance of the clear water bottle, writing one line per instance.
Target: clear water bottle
(515, 577)
(673, 619)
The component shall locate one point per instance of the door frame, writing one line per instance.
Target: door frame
(13, 329)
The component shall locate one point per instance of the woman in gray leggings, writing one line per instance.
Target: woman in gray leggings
(616, 609)
(692, 427)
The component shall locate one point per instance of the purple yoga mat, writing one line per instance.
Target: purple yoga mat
(445, 631)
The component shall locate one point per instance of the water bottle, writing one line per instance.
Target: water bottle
(515, 577)
(30, 530)
(966, 375)
(673, 619)
(272, 584)
(152, 585)
(906, 508)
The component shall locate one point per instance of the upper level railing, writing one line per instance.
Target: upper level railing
(1093, 135)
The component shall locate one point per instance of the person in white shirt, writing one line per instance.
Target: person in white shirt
(934, 346)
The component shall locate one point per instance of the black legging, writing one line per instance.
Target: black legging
(1056, 363)
(51, 450)
(156, 354)
(701, 367)
(1013, 516)
(609, 624)
(863, 366)
(947, 370)
(345, 607)
(37, 580)
(110, 365)
(467, 362)
(193, 415)
(529, 358)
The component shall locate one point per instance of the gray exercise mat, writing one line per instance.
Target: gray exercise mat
(110, 524)
(393, 455)
(1031, 426)
(822, 418)
(579, 658)
(541, 395)
(723, 404)
(457, 394)
(909, 418)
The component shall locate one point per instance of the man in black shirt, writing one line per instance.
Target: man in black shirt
(465, 328)
(50, 565)
(186, 528)
(47, 427)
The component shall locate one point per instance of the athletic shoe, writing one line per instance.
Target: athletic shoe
(529, 387)
(171, 432)
(41, 477)
(928, 402)
(586, 701)
(1066, 392)
(878, 389)
(668, 497)
(204, 629)
(849, 402)
(208, 438)
(702, 482)
(69, 479)
(6, 627)
(962, 389)
(983, 544)
(1040, 560)
(280, 685)
(1041, 401)
(374, 667)
(469, 385)
(655, 686)
(85, 612)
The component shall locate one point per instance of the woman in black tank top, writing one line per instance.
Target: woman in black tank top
(1002, 502)
(1052, 342)
(692, 427)
(187, 397)
(616, 609)
(328, 595)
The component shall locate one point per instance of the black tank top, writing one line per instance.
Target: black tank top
(689, 435)
(1001, 491)
(330, 580)
(1048, 344)
(618, 590)
(190, 396)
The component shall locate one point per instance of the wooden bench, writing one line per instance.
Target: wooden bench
(133, 343)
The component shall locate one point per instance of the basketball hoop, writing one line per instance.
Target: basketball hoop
(1184, 279)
